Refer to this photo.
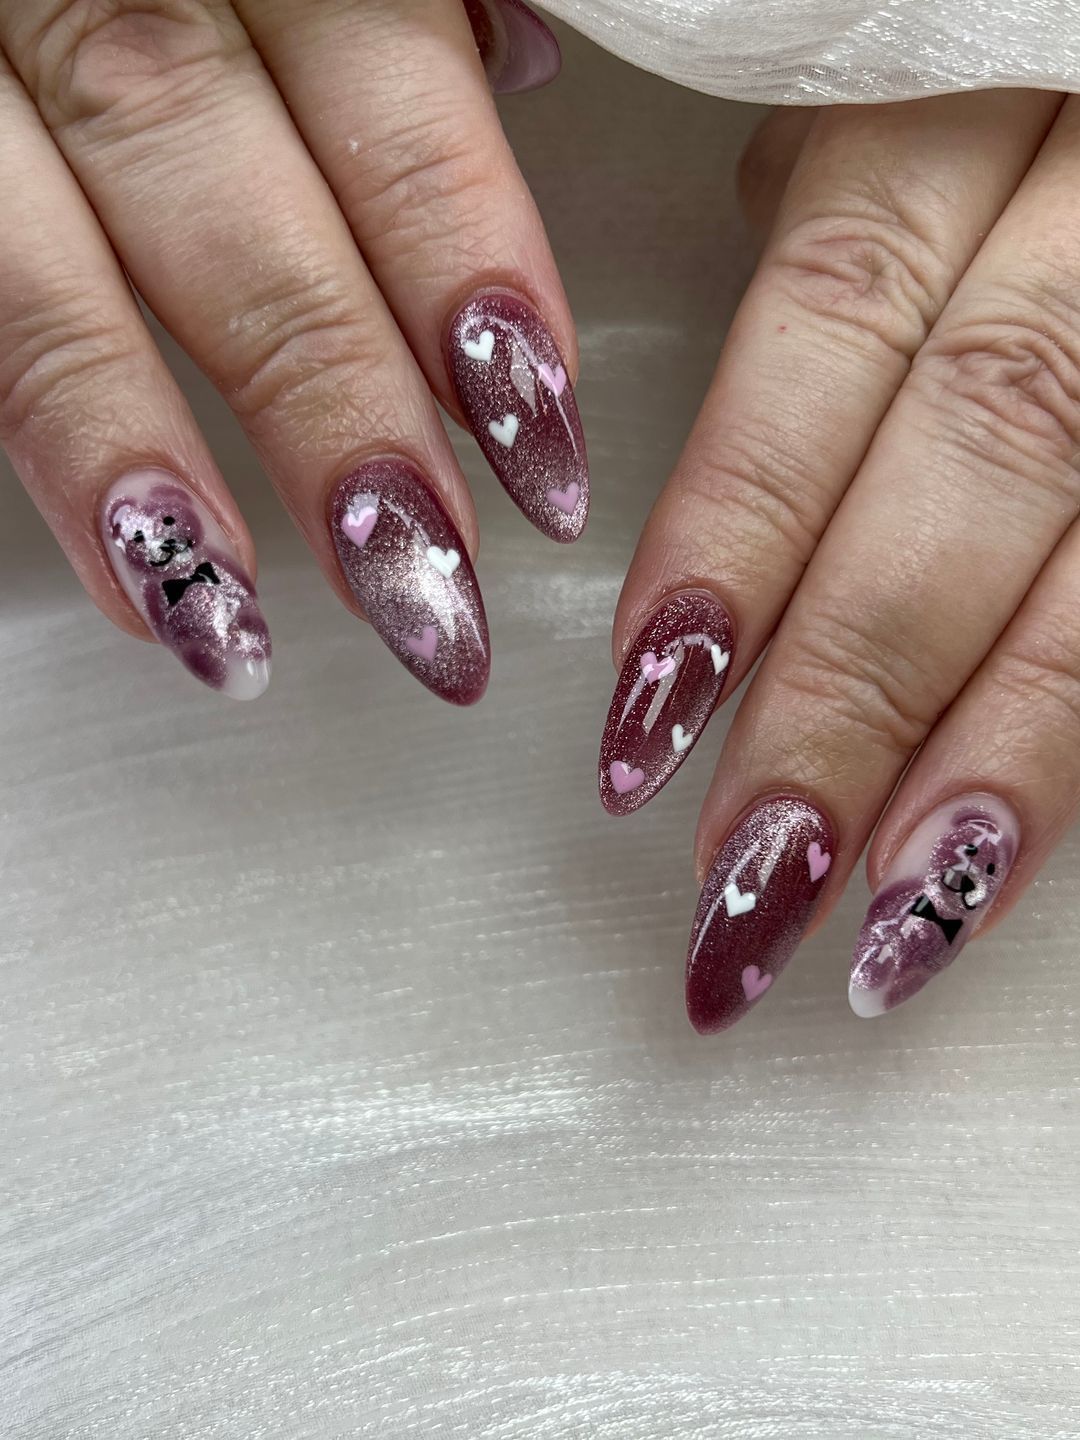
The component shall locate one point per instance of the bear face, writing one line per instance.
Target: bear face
(158, 536)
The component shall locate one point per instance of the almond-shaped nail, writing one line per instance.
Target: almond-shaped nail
(408, 567)
(184, 577)
(512, 387)
(518, 50)
(932, 899)
(670, 683)
(758, 898)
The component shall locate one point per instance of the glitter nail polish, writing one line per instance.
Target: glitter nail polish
(759, 896)
(932, 899)
(408, 568)
(513, 389)
(670, 683)
(518, 50)
(185, 579)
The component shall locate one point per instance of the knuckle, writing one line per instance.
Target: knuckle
(1004, 382)
(780, 499)
(868, 273)
(299, 345)
(69, 361)
(92, 61)
(862, 686)
(1041, 683)
(411, 191)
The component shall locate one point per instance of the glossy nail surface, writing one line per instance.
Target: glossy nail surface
(669, 685)
(760, 894)
(932, 899)
(184, 577)
(518, 50)
(512, 387)
(408, 567)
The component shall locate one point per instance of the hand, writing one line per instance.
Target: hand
(318, 202)
(908, 357)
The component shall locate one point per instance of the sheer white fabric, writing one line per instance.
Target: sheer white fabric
(816, 52)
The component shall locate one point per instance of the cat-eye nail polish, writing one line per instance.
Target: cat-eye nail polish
(513, 389)
(935, 894)
(183, 575)
(411, 573)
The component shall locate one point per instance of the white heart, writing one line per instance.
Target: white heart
(505, 432)
(480, 349)
(680, 740)
(720, 659)
(445, 561)
(738, 902)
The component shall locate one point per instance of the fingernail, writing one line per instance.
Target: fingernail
(408, 567)
(759, 896)
(669, 685)
(933, 898)
(184, 577)
(512, 386)
(518, 50)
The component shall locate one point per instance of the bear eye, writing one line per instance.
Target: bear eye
(138, 537)
(991, 868)
(168, 520)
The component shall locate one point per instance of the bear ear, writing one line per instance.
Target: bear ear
(121, 514)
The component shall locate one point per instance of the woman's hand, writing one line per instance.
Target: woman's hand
(908, 357)
(316, 199)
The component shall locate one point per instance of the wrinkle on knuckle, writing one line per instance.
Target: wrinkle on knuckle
(868, 272)
(95, 62)
(293, 349)
(1040, 685)
(60, 363)
(1005, 383)
(864, 688)
(780, 499)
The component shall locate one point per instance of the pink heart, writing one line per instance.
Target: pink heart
(358, 524)
(654, 669)
(565, 500)
(555, 379)
(754, 983)
(818, 860)
(624, 779)
(425, 644)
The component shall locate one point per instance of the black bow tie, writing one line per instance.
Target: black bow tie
(203, 574)
(925, 909)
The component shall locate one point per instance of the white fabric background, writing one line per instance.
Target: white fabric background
(816, 52)
(347, 1090)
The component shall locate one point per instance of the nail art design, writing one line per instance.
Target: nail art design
(512, 387)
(670, 683)
(933, 898)
(183, 576)
(518, 50)
(759, 896)
(408, 567)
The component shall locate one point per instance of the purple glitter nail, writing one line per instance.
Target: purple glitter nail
(518, 50)
(408, 567)
(933, 898)
(512, 386)
(183, 576)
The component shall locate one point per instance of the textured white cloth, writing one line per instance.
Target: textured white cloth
(817, 52)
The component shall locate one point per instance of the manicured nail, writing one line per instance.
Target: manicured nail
(518, 50)
(408, 567)
(669, 685)
(759, 896)
(933, 897)
(183, 576)
(512, 386)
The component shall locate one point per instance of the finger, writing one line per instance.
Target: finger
(767, 163)
(984, 803)
(883, 213)
(970, 483)
(423, 173)
(88, 410)
(227, 228)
